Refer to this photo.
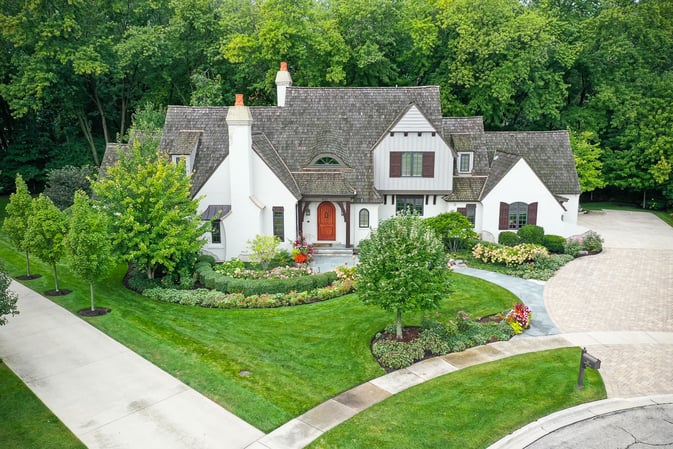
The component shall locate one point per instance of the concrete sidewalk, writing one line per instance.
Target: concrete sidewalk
(107, 395)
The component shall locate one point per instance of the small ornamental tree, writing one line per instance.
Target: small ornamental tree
(8, 298)
(88, 246)
(264, 248)
(153, 219)
(19, 210)
(453, 228)
(402, 267)
(47, 230)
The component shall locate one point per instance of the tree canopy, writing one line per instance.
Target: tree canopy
(19, 210)
(72, 73)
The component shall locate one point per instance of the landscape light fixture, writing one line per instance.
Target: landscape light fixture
(587, 360)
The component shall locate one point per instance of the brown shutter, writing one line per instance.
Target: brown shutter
(532, 213)
(504, 216)
(428, 164)
(462, 211)
(395, 164)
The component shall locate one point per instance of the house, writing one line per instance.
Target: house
(329, 164)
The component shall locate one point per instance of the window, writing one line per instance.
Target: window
(181, 157)
(279, 222)
(215, 232)
(412, 164)
(326, 160)
(409, 202)
(364, 218)
(464, 162)
(516, 215)
(469, 212)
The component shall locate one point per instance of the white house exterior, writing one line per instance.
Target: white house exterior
(329, 164)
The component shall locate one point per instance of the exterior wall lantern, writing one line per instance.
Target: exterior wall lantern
(587, 360)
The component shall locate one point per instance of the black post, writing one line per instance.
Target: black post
(580, 377)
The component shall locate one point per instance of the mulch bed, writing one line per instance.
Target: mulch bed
(97, 311)
(57, 292)
(28, 278)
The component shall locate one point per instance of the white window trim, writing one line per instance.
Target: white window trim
(188, 161)
(470, 155)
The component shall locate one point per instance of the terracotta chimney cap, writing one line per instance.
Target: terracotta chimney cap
(283, 66)
(239, 100)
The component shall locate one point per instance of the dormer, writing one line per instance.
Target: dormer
(185, 147)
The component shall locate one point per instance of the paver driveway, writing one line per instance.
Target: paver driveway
(628, 287)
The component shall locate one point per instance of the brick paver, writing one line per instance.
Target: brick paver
(628, 287)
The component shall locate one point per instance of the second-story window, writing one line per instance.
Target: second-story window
(412, 164)
(464, 162)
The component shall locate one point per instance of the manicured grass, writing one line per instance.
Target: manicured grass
(666, 216)
(26, 422)
(298, 356)
(471, 408)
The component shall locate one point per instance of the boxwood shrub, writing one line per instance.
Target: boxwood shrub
(508, 238)
(554, 243)
(531, 234)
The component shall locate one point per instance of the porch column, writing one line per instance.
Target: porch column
(345, 207)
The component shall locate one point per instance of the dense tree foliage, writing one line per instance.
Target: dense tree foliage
(62, 183)
(153, 221)
(402, 267)
(73, 72)
(15, 224)
(88, 246)
(46, 233)
(8, 298)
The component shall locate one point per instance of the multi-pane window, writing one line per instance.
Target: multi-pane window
(364, 218)
(518, 215)
(409, 203)
(469, 212)
(464, 162)
(326, 160)
(279, 222)
(177, 158)
(412, 164)
(216, 232)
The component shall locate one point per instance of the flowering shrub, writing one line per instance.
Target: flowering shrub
(593, 242)
(508, 255)
(519, 318)
(275, 273)
(216, 299)
(302, 252)
(345, 272)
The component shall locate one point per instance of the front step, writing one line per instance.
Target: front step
(332, 252)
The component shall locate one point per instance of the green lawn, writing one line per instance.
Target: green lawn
(667, 216)
(298, 356)
(471, 408)
(26, 422)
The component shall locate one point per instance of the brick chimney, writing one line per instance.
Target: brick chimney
(283, 80)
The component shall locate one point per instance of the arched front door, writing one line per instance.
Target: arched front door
(326, 221)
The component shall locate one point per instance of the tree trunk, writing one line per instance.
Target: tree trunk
(86, 129)
(398, 332)
(644, 198)
(150, 272)
(91, 290)
(55, 278)
(99, 106)
(27, 263)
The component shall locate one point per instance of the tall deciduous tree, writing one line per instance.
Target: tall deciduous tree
(19, 209)
(47, 230)
(154, 221)
(402, 267)
(587, 154)
(8, 298)
(89, 250)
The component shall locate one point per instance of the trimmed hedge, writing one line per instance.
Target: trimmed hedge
(531, 234)
(213, 280)
(509, 238)
(554, 243)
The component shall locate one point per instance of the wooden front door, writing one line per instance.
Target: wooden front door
(326, 221)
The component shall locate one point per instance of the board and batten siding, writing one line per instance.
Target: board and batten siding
(442, 181)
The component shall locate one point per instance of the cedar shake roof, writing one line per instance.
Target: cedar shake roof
(466, 188)
(347, 123)
(548, 153)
